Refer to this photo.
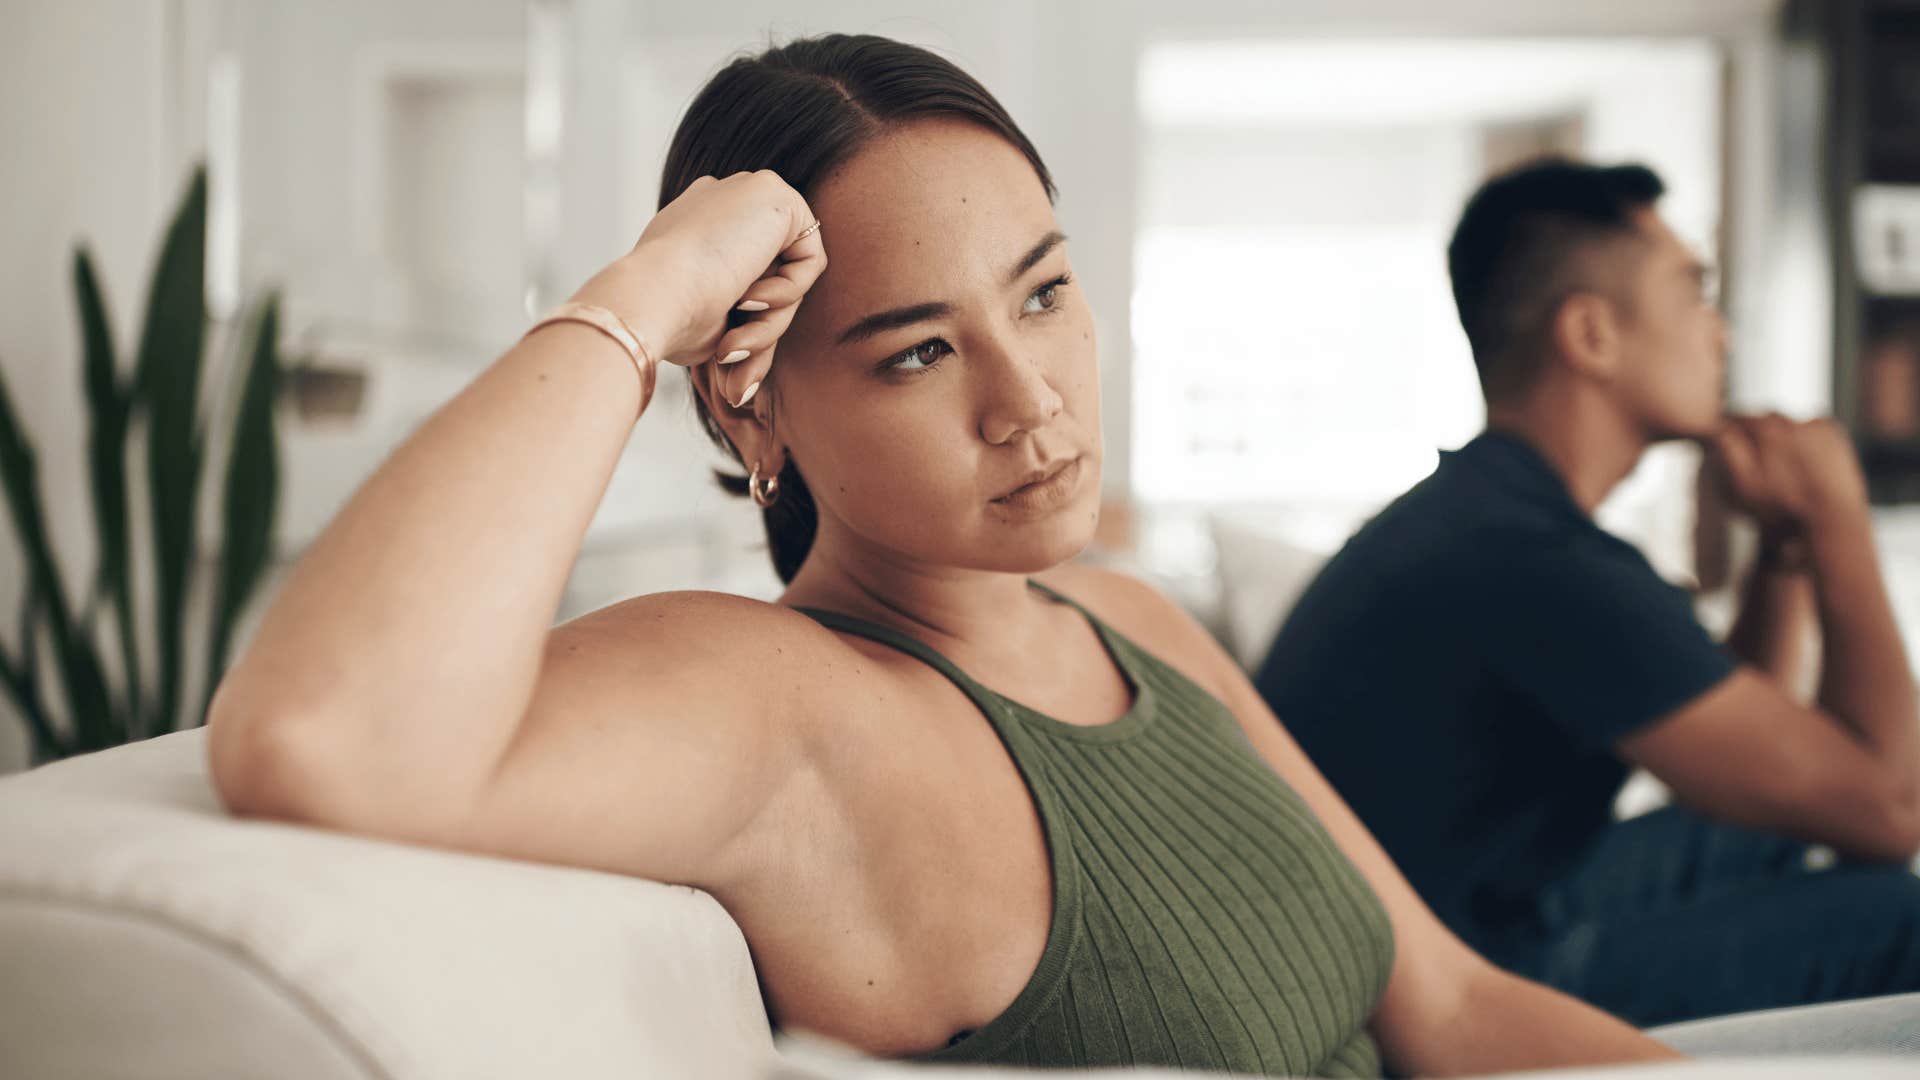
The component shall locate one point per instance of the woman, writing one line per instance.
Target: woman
(1116, 855)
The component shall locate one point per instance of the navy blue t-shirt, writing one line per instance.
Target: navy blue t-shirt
(1461, 670)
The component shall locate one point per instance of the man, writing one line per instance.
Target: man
(1480, 666)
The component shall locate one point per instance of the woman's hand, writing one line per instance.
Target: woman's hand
(721, 247)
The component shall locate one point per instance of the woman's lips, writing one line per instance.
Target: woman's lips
(1045, 493)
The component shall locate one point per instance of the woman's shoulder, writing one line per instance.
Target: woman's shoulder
(726, 635)
(769, 638)
(1145, 616)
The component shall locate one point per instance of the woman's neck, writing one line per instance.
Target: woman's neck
(948, 607)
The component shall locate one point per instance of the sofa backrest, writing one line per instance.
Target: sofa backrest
(145, 932)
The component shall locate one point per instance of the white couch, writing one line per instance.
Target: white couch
(145, 933)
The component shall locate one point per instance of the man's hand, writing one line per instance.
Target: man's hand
(1791, 476)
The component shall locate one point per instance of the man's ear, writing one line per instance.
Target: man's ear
(747, 428)
(1586, 332)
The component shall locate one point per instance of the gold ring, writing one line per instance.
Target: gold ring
(808, 231)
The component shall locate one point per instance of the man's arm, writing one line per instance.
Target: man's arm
(1777, 628)
(1847, 773)
(1747, 754)
(1865, 679)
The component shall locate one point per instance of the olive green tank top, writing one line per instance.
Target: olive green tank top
(1202, 917)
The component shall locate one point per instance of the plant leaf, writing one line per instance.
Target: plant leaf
(110, 405)
(47, 743)
(251, 493)
(167, 388)
(81, 676)
(31, 605)
(22, 680)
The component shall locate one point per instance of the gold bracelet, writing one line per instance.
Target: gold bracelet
(614, 327)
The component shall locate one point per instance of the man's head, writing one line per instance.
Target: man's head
(1563, 270)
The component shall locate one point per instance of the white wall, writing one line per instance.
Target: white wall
(338, 99)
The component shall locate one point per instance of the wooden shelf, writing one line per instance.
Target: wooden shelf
(1872, 56)
(1892, 469)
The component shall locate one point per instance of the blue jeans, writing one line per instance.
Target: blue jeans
(1675, 917)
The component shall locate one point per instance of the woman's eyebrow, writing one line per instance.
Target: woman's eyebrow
(895, 318)
(874, 325)
(1039, 251)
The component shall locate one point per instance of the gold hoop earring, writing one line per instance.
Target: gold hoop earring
(763, 492)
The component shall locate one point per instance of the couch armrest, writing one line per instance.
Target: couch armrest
(405, 961)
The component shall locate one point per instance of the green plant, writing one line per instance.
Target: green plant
(161, 396)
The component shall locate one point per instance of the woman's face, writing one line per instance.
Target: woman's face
(943, 361)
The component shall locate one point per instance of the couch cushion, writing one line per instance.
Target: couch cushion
(405, 961)
(1267, 556)
(108, 991)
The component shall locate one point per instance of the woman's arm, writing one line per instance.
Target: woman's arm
(1446, 1010)
(416, 620)
(408, 651)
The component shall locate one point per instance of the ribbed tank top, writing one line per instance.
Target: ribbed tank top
(1202, 917)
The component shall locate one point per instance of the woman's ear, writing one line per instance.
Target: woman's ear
(749, 427)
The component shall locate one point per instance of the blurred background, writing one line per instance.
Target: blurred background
(1259, 196)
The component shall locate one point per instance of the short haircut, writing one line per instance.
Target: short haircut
(1523, 244)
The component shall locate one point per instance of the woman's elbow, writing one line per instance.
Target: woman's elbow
(260, 760)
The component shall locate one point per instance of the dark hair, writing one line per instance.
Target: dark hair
(802, 110)
(1518, 249)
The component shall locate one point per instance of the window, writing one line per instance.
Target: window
(1294, 332)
